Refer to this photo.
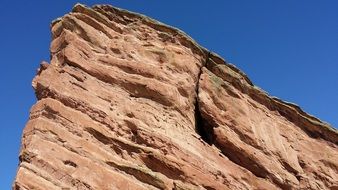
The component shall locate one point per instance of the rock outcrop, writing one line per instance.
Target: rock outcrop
(130, 103)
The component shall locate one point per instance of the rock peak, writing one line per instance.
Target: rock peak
(128, 102)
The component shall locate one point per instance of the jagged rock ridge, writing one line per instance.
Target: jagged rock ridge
(130, 103)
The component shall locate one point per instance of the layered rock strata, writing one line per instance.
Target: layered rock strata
(130, 103)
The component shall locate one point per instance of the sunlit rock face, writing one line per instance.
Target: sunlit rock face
(130, 103)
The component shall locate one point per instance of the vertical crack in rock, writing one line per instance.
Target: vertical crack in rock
(202, 128)
(206, 132)
(201, 125)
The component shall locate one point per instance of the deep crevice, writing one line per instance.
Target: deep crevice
(201, 126)
(204, 126)
(206, 131)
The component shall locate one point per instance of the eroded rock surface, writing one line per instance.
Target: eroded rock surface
(130, 103)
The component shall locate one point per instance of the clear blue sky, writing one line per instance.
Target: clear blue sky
(289, 48)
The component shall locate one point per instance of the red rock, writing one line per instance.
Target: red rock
(130, 103)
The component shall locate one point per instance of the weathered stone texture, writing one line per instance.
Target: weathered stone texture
(130, 103)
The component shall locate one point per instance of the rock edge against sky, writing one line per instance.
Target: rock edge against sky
(130, 103)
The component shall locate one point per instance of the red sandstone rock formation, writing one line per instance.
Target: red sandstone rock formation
(130, 103)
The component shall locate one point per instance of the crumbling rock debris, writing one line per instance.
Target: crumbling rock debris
(130, 103)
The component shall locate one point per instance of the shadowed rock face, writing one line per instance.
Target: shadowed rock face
(130, 103)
